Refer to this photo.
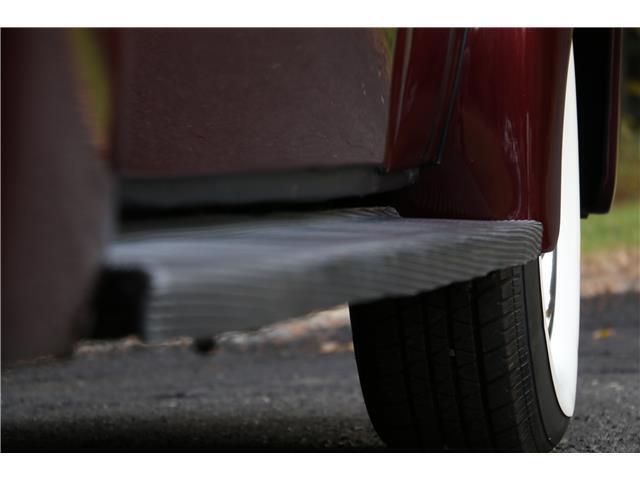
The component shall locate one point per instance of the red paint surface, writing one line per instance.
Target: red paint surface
(225, 101)
(424, 69)
(503, 150)
(329, 103)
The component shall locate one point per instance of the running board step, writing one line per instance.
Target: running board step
(213, 274)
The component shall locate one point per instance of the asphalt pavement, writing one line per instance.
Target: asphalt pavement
(293, 389)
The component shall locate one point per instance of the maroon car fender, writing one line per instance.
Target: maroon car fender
(424, 80)
(501, 156)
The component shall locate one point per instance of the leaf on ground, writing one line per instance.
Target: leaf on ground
(602, 333)
(334, 347)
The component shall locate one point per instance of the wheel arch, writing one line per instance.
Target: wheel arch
(501, 157)
(597, 53)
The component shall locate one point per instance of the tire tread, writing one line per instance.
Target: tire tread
(449, 369)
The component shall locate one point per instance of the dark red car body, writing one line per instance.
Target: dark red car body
(441, 123)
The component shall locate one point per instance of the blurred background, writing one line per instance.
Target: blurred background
(611, 243)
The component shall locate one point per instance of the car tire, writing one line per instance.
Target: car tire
(461, 368)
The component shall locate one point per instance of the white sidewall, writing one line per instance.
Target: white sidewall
(562, 345)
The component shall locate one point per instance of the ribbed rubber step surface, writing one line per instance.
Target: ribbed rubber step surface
(212, 274)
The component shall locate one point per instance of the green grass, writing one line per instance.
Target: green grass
(628, 174)
(619, 229)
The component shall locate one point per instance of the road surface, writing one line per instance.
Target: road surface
(293, 388)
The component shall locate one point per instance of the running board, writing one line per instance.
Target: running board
(213, 274)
